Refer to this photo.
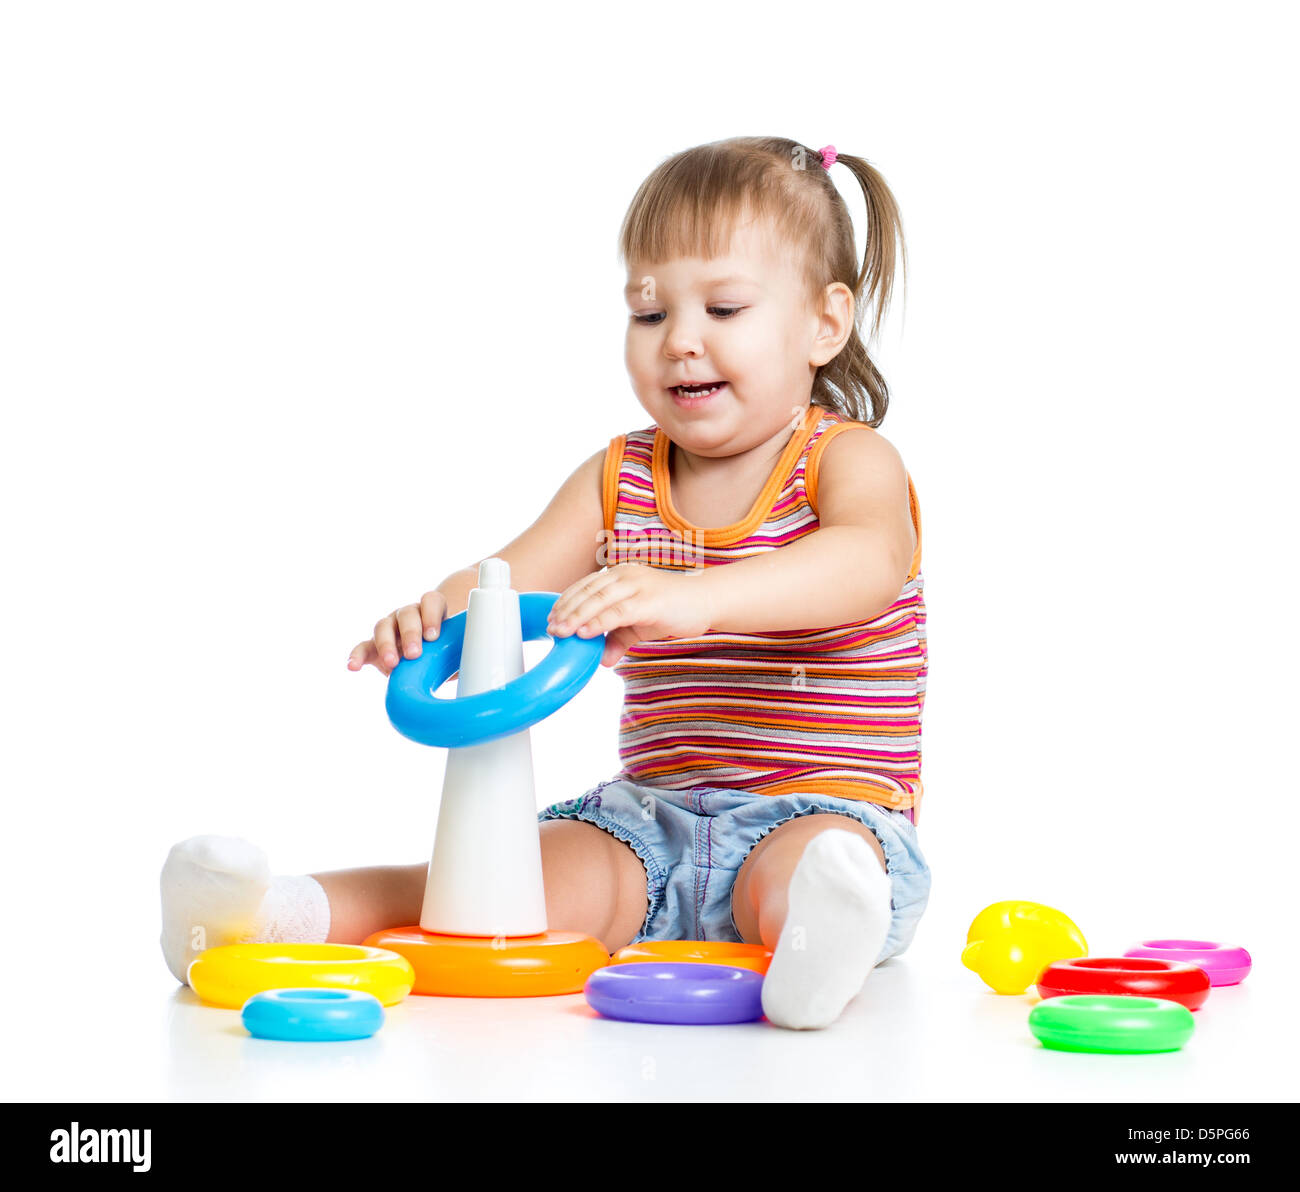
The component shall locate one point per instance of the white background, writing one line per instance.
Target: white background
(304, 306)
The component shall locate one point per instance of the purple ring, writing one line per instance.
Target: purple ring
(693, 994)
(1225, 964)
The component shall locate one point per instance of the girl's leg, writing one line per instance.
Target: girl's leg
(594, 884)
(219, 890)
(366, 900)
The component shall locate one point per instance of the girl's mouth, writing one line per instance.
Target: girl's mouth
(696, 395)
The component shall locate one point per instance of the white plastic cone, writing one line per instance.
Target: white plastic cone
(485, 877)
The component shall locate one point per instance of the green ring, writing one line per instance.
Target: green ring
(1111, 1023)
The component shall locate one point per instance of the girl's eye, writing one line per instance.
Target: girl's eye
(722, 312)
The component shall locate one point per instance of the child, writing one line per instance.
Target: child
(754, 563)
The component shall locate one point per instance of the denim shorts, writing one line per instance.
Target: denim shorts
(693, 843)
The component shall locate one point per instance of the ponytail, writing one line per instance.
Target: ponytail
(851, 383)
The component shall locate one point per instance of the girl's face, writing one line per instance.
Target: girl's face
(739, 329)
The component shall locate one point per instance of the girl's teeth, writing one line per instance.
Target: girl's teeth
(688, 392)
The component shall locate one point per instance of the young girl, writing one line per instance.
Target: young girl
(753, 558)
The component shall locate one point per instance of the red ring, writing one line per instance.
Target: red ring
(1129, 976)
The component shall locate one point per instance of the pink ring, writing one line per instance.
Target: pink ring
(1225, 963)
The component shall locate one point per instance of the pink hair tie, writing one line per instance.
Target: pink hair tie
(829, 156)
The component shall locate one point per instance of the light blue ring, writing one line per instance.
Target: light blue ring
(312, 1015)
(420, 715)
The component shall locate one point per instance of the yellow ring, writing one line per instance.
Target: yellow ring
(230, 975)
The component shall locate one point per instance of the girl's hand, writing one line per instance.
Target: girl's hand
(630, 603)
(408, 625)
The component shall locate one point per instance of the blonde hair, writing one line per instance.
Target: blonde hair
(690, 203)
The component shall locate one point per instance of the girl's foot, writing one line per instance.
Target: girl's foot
(837, 920)
(219, 890)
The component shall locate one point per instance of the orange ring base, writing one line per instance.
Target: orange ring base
(544, 965)
(748, 956)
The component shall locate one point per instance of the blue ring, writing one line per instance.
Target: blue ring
(312, 1015)
(420, 715)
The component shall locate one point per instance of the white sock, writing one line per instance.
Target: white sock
(837, 921)
(219, 890)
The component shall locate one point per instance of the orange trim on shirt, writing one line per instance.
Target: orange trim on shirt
(861, 791)
(609, 479)
(812, 469)
(762, 506)
(916, 521)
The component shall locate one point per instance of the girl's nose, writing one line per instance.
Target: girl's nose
(682, 340)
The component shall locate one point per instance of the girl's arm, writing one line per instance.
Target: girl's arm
(851, 568)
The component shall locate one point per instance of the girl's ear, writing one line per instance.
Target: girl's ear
(835, 323)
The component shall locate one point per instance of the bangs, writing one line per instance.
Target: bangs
(692, 204)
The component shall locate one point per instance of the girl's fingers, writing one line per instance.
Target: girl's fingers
(570, 603)
(613, 608)
(569, 622)
(586, 605)
(385, 642)
(410, 629)
(364, 654)
(433, 608)
(400, 633)
(589, 625)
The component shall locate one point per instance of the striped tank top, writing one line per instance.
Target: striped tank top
(824, 711)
